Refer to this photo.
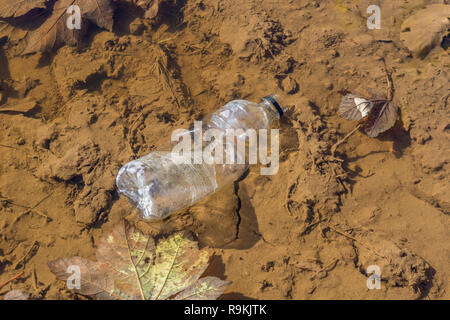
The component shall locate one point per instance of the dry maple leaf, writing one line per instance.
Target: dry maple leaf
(15, 9)
(132, 266)
(54, 32)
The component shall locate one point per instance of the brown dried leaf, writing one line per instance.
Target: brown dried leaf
(348, 108)
(99, 12)
(130, 266)
(15, 9)
(382, 117)
(378, 115)
(208, 288)
(16, 295)
(95, 277)
(54, 32)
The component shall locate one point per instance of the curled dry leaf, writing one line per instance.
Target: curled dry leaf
(382, 117)
(353, 108)
(15, 9)
(377, 115)
(132, 266)
(424, 30)
(54, 32)
(16, 295)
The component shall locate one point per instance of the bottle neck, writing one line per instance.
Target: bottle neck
(273, 107)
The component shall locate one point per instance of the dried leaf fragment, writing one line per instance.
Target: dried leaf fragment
(350, 108)
(94, 276)
(208, 288)
(382, 117)
(54, 33)
(15, 9)
(16, 295)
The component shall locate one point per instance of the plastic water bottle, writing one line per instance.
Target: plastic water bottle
(160, 186)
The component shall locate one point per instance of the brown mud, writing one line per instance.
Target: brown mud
(69, 120)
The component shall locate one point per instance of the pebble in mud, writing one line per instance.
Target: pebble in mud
(328, 85)
(289, 85)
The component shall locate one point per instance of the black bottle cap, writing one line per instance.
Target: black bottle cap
(275, 103)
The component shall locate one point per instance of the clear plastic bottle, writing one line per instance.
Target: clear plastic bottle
(160, 186)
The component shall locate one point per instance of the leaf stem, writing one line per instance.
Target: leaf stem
(134, 266)
(337, 144)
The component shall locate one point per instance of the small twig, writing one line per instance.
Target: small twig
(164, 40)
(42, 200)
(342, 233)
(333, 159)
(326, 269)
(43, 215)
(23, 260)
(309, 227)
(35, 281)
(349, 236)
(338, 178)
(163, 73)
(390, 88)
(135, 121)
(337, 144)
(5, 146)
(32, 209)
(12, 279)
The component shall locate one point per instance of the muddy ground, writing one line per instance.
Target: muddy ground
(308, 232)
